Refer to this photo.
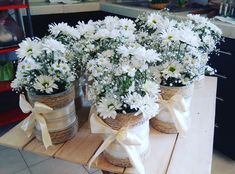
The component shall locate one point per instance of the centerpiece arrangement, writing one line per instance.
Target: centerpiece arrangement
(210, 36)
(46, 75)
(181, 48)
(123, 92)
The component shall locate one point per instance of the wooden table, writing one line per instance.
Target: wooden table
(169, 153)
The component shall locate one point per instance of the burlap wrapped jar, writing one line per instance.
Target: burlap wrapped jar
(163, 122)
(115, 153)
(62, 122)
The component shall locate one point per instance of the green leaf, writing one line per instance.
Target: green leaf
(7, 72)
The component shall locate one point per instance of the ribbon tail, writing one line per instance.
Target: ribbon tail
(179, 121)
(105, 144)
(134, 158)
(46, 138)
(28, 125)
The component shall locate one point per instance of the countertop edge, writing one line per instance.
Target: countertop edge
(44, 8)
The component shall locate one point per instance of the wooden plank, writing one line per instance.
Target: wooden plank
(104, 165)
(37, 147)
(193, 153)
(81, 148)
(15, 138)
(157, 160)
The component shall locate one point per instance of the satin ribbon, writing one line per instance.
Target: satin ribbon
(124, 137)
(36, 116)
(176, 106)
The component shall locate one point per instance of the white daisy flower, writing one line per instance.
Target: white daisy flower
(188, 36)
(124, 51)
(45, 84)
(50, 45)
(151, 87)
(111, 22)
(63, 28)
(149, 107)
(127, 24)
(29, 48)
(154, 19)
(172, 69)
(27, 65)
(86, 29)
(107, 107)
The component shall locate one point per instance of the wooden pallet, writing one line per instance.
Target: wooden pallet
(169, 154)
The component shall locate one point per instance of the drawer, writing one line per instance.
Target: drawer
(228, 45)
(224, 64)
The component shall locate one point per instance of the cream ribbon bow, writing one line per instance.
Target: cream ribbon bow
(177, 108)
(36, 116)
(125, 138)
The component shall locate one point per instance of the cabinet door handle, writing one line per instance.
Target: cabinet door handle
(225, 52)
(220, 99)
(221, 76)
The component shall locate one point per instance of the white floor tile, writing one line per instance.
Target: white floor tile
(32, 158)
(98, 172)
(92, 170)
(2, 148)
(53, 166)
(11, 161)
(25, 171)
(222, 164)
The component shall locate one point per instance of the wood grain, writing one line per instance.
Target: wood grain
(15, 138)
(81, 148)
(37, 147)
(193, 153)
(102, 164)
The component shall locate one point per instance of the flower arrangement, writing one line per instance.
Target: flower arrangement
(210, 36)
(121, 82)
(178, 45)
(43, 68)
(118, 68)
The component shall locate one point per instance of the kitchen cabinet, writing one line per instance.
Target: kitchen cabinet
(225, 116)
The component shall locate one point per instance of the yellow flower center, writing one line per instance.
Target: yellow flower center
(170, 37)
(29, 50)
(172, 69)
(45, 84)
(154, 21)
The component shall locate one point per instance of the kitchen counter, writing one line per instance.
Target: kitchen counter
(41, 8)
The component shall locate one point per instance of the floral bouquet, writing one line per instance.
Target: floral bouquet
(45, 73)
(182, 55)
(178, 45)
(121, 82)
(43, 68)
(210, 36)
(123, 91)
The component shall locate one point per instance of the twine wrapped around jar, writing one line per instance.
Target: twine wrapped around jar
(62, 122)
(126, 139)
(174, 115)
(115, 154)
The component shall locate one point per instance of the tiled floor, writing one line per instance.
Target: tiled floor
(21, 162)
